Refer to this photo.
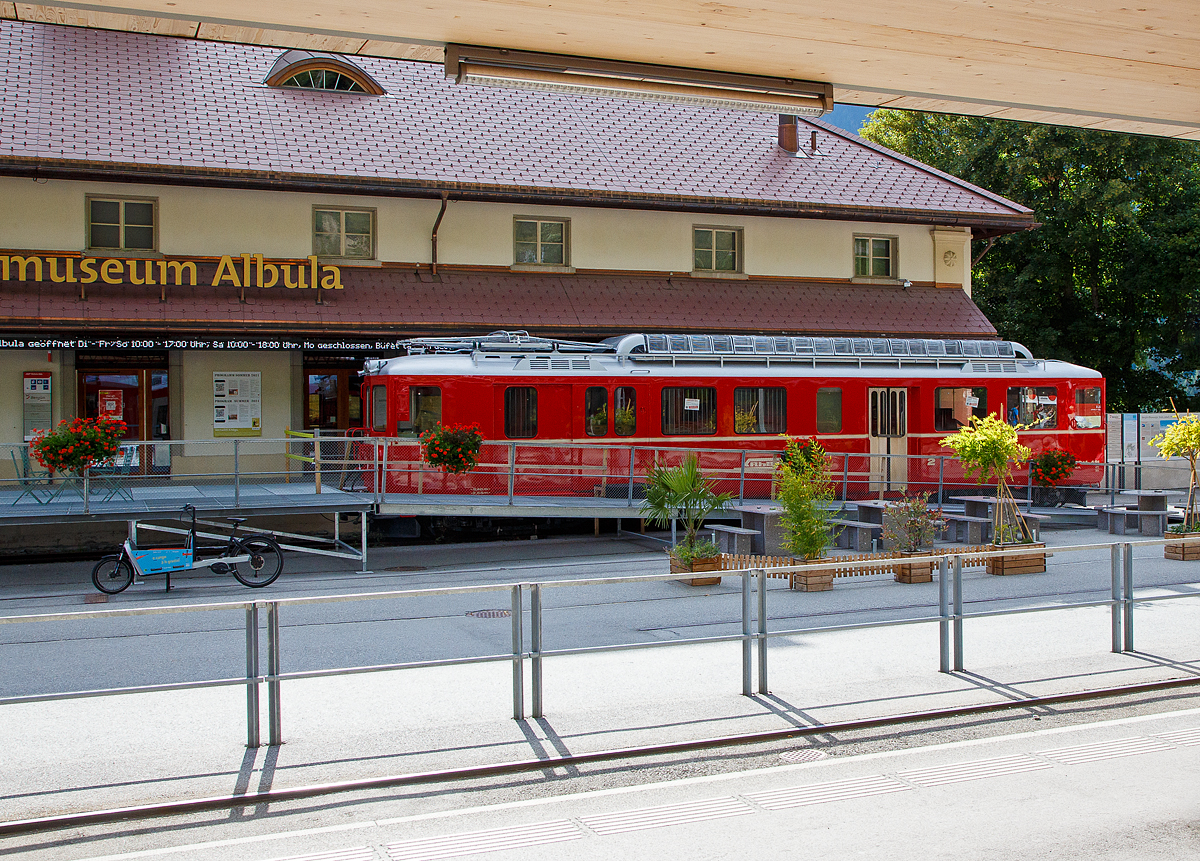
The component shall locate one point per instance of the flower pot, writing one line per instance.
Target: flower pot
(813, 579)
(1181, 552)
(711, 563)
(1025, 563)
(914, 572)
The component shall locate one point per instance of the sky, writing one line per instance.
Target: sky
(848, 117)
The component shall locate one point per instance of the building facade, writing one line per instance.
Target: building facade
(209, 239)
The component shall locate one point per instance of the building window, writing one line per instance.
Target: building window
(829, 410)
(874, 257)
(689, 410)
(595, 411)
(520, 412)
(625, 411)
(309, 70)
(540, 243)
(122, 225)
(1033, 406)
(760, 410)
(716, 249)
(345, 233)
(954, 407)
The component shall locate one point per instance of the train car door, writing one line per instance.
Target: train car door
(888, 418)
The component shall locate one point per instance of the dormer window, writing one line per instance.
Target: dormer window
(309, 70)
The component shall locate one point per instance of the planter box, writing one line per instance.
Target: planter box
(813, 579)
(914, 572)
(698, 565)
(1026, 563)
(1183, 552)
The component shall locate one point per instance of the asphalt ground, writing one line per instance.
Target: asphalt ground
(100, 753)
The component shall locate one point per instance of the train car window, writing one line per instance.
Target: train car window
(953, 408)
(1033, 406)
(379, 415)
(595, 411)
(520, 412)
(426, 408)
(889, 410)
(760, 410)
(829, 410)
(689, 410)
(625, 411)
(1088, 412)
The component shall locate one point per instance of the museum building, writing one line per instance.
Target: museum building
(209, 239)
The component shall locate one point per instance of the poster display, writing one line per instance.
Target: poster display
(237, 403)
(111, 403)
(38, 407)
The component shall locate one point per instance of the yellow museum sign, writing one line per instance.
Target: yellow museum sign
(245, 270)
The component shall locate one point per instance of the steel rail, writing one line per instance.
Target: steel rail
(222, 802)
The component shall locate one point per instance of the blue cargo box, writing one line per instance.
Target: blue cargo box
(156, 560)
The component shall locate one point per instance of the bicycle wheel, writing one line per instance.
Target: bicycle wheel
(112, 574)
(266, 561)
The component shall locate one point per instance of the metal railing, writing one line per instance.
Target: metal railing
(755, 635)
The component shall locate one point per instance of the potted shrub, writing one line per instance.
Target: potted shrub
(909, 525)
(453, 448)
(1182, 439)
(805, 492)
(684, 493)
(988, 448)
(1046, 470)
(78, 444)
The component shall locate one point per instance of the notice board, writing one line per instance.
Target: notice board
(237, 403)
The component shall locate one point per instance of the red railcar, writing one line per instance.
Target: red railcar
(884, 403)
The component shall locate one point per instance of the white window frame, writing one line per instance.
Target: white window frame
(738, 249)
(121, 200)
(539, 221)
(893, 258)
(342, 210)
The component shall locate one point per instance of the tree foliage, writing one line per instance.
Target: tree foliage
(805, 492)
(1182, 439)
(1111, 278)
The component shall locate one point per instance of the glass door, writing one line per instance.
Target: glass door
(888, 424)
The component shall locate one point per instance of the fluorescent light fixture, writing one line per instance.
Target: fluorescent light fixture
(529, 70)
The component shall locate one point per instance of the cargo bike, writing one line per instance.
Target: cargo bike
(254, 559)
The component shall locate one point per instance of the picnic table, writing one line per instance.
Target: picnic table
(1148, 516)
(979, 509)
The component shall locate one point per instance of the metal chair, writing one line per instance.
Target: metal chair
(110, 480)
(29, 477)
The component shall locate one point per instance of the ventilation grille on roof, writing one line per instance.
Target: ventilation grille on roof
(850, 348)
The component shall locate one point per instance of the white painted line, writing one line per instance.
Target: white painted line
(454, 845)
(977, 770)
(821, 793)
(666, 815)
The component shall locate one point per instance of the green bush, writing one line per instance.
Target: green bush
(805, 492)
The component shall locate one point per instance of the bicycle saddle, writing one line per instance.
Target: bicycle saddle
(235, 519)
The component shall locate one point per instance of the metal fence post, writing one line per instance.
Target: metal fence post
(941, 478)
(87, 491)
(253, 738)
(237, 479)
(274, 714)
(1028, 488)
(316, 458)
(944, 613)
(762, 632)
(512, 470)
(535, 645)
(1115, 552)
(632, 458)
(518, 662)
(845, 478)
(958, 609)
(1127, 550)
(747, 636)
(742, 481)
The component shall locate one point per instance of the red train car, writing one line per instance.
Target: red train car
(887, 401)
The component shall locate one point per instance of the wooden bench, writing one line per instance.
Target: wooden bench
(855, 534)
(978, 529)
(733, 539)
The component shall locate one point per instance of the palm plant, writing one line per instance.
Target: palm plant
(683, 493)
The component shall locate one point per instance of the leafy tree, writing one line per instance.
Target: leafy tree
(1111, 278)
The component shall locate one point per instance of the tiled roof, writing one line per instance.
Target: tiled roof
(398, 302)
(158, 105)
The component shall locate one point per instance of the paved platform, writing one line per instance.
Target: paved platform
(101, 753)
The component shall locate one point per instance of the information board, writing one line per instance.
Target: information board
(237, 403)
(38, 406)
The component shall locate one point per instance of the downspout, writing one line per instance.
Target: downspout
(436, 225)
(986, 249)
